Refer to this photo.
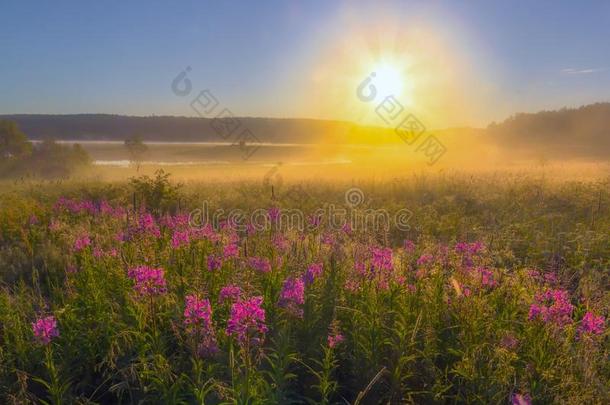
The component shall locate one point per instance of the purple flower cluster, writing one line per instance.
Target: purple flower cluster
(549, 278)
(313, 271)
(521, 399)
(280, 242)
(197, 312)
(469, 248)
(334, 336)
(260, 264)
(486, 277)
(230, 250)
(148, 281)
(409, 246)
(274, 214)
(293, 295)
(425, 259)
(45, 329)
(146, 226)
(230, 292)
(82, 241)
(552, 306)
(247, 322)
(592, 324)
(87, 207)
(198, 322)
(381, 258)
(214, 262)
(180, 238)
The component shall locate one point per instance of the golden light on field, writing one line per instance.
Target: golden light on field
(419, 65)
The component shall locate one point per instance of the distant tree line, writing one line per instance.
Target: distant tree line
(569, 132)
(19, 156)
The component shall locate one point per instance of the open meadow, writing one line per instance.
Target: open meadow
(305, 202)
(445, 288)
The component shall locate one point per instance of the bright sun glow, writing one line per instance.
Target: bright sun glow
(388, 80)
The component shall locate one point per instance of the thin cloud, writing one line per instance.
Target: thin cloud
(582, 71)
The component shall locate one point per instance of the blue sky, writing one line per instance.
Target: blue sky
(257, 57)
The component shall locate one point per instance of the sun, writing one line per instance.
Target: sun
(388, 79)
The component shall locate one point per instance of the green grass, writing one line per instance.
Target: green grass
(413, 333)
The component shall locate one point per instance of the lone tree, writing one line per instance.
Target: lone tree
(13, 143)
(136, 150)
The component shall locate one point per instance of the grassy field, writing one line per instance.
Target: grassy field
(494, 288)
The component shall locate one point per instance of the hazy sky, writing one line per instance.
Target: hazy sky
(467, 62)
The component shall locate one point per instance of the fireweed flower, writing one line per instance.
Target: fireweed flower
(469, 248)
(214, 262)
(486, 277)
(313, 271)
(230, 292)
(180, 238)
(334, 336)
(197, 312)
(148, 281)
(425, 259)
(280, 242)
(381, 258)
(230, 250)
(45, 329)
(198, 323)
(314, 221)
(260, 264)
(82, 242)
(521, 399)
(592, 324)
(409, 246)
(328, 239)
(552, 306)
(274, 214)
(147, 225)
(293, 295)
(247, 322)
(98, 253)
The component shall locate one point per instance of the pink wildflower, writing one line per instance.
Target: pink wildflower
(409, 246)
(592, 324)
(148, 280)
(274, 214)
(180, 238)
(260, 264)
(334, 336)
(82, 242)
(313, 271)
(198, 322)
(293, 295)
(230, 292)
(382, 258)
(230, 250)
(521, 399)
(247, 321)
(45, 329)
(487, 278)
(214, 262)
(280, 242)
(197, 312)
(552, 306)
(147, 225)
(425, 259)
